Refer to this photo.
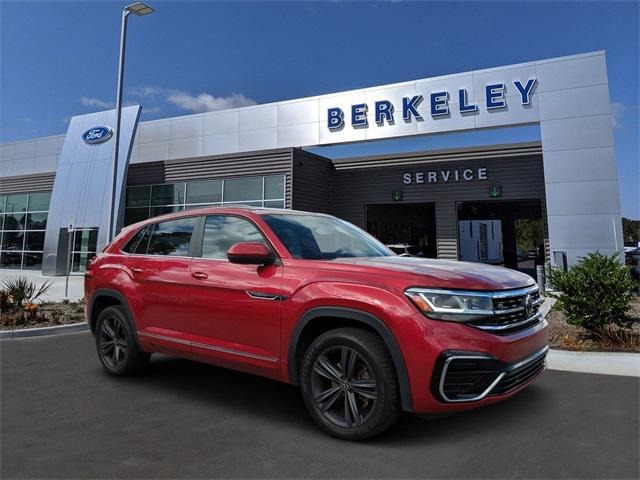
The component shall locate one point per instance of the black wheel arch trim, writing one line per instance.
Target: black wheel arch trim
(358, 316)
(114, 294)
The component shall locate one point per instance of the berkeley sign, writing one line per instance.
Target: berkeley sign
(384, 110)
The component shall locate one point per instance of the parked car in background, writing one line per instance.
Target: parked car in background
(312, 300)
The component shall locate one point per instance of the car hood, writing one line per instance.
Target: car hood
(448, 273)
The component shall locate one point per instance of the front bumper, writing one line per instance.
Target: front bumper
(461, 377)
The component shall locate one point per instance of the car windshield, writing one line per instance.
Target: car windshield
(312, 237)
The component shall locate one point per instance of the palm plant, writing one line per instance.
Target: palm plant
(20, 291)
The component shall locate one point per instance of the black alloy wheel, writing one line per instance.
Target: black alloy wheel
(343, 386)
(349, 383)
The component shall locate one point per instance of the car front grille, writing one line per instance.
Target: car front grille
(466, 377)
(520, 374)
(512, 312)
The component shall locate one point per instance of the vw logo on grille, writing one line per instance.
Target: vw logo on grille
(528, 304)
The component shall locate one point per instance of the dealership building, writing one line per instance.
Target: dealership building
(516, 205)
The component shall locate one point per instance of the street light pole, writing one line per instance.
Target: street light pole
(137, 9)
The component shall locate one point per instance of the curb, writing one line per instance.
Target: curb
(43, 331)
(606, 363)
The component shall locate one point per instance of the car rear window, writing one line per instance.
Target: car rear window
(170, 238)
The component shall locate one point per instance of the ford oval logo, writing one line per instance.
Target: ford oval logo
(97, 135)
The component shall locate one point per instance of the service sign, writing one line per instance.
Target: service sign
(97, 135)
(440, 104)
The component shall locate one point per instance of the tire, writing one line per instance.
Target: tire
(360, 403)
(116, 345)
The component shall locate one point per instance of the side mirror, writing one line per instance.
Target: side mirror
(250, 253)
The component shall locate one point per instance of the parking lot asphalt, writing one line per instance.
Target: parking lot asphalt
(63, 417)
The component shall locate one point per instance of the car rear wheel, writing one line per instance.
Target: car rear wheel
(116, 345)
(349, 384)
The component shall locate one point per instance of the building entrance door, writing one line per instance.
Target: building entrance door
(406, 228)
(510, 234)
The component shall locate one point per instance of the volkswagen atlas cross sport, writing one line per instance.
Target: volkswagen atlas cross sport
(312, 300)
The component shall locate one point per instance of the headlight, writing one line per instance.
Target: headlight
(451, 305)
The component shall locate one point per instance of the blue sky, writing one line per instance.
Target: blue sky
(59, 59)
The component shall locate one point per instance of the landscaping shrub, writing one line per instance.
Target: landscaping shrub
(595, 293)
(20, 293)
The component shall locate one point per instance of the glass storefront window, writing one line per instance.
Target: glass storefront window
(34, 241)
(39, 202)
(22, 228)
(143, 202)
(167, 194)
(274, 187)
(12, 240)
(243, 189)
(204, 192)
(37, 221)
(32, 261)
(14, 221)
(16, 203)
(138, 196)
(274, 204)
(134, 215)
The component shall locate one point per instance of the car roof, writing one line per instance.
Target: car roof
(225, 209)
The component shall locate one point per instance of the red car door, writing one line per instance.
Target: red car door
(159, 266)
(235, 308)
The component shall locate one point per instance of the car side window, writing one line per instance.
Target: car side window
(170, 238)
(135, 244)
(223, 231)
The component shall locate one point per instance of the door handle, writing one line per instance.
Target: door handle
(137, 270)
(199, 275)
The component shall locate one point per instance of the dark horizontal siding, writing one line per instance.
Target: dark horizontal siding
(42, 182)
(312, 182)
(271, 162)
(465, 154)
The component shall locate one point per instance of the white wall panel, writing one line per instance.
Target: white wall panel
(219, 144)
(226, 121)
(583, 198)
(309, 133)
(577, 132)
(562, 74)
(577, 102)
(258, 139)
(572, 231)
(156, 131)
(186, 127)
(297, 113)
(578, 165)
(153, 152)
(185, 147)
(259, 117)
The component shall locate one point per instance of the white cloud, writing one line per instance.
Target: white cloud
(146, 91)
(95, 103)
(205, 102)
(617, 110)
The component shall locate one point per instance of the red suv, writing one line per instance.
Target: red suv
(312, 300)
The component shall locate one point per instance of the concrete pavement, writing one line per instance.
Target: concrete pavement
(63, 417)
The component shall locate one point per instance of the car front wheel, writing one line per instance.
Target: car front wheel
(349, 384)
